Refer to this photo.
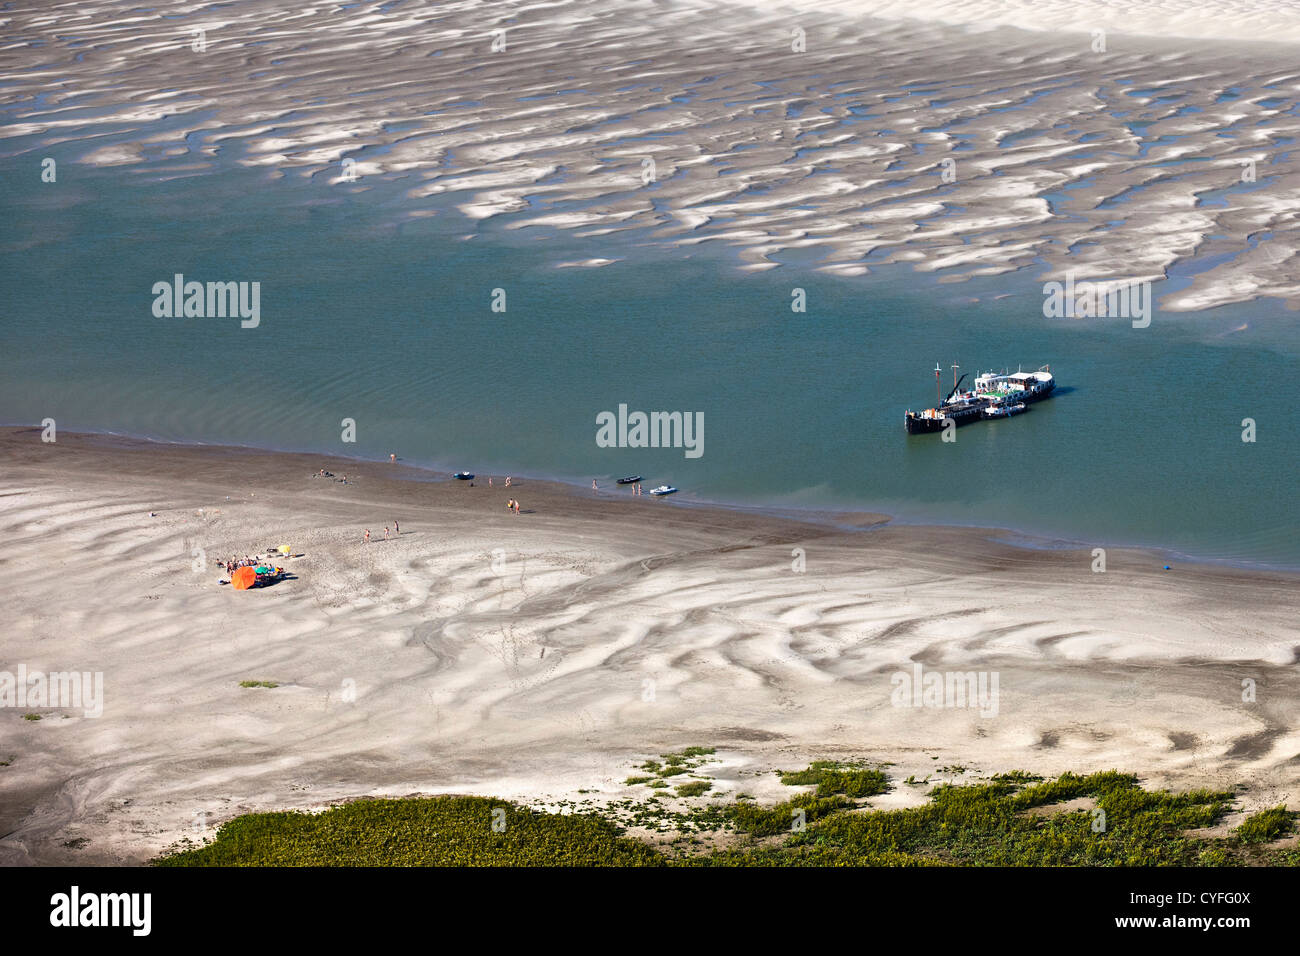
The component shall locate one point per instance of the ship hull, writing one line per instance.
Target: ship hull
(975, 411)
(1038, 396)
(920, 425)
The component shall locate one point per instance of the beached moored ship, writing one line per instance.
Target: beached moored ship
(995, 395)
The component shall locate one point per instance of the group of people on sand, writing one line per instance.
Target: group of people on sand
(397, 530)
(636, 487)
(329, 474)
(267, 571)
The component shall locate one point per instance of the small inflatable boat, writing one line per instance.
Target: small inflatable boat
(1004, 410)
(463, 475)
(629, 480)
(663, 490)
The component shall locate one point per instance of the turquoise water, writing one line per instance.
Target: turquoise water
(386, 320)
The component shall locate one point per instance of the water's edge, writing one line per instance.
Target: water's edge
(824, 516)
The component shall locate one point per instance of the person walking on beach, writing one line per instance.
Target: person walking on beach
(396, 529)
(516, 506)
(367, 536)
(385, 532)
(392, 456)
(507, 481)
(489, 481)
(593, 485)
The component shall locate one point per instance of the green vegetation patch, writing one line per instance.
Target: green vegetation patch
(695, 788)
(832, 777)
(1266, 826)
(674, 765)
(981, 824)
(437, 831)
(985, 824)
(763, 821)
(258, 683)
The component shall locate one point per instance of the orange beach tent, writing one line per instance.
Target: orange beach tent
(243, 578)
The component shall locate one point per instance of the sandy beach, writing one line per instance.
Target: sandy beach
(388, 169)
(531, 657)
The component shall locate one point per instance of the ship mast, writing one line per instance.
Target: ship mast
(955, 366)
(938, 389)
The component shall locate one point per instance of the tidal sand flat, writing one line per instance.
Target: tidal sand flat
(473, 230)
(951, 139)
(531, 657)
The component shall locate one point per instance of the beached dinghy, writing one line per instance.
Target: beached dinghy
(629, 480)
(663, 490)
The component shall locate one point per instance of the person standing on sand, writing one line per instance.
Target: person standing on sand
(593, 485)
(507, 481)
(396, 529)
(385, 532)
(489, 481)
(516, 506)
(367, 536)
